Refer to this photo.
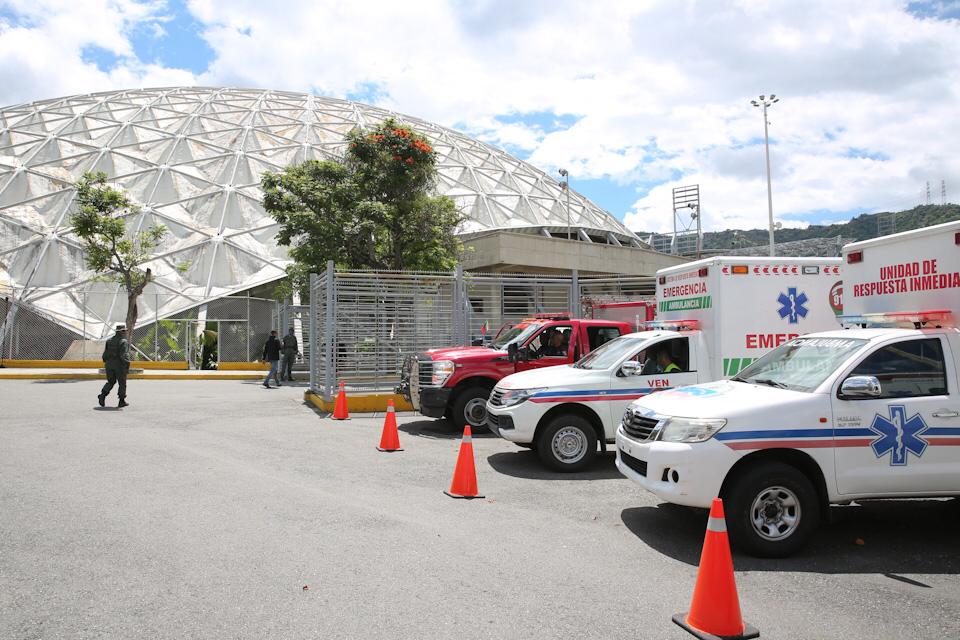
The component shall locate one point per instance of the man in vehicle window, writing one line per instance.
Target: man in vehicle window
(555, 346)
(665, 362)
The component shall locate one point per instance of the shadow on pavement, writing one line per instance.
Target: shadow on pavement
(899, 536)
(526, 464)
(106, 409)
(440, 429)
(61, 381)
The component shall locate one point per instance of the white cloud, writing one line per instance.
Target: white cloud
(660, 88)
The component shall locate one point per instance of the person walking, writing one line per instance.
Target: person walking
(116, 362)
(291, 349)
(271, 354)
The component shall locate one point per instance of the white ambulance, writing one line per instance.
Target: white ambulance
(715, 316)
(872, 411)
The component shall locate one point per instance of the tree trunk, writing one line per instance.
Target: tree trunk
(131, 313)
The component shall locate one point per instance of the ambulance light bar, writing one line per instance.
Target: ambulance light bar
(941, 317)
(671, 325)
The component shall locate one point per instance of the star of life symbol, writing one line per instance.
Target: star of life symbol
(898, 435)
(792, 305)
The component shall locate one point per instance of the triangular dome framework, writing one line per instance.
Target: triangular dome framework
(192, 157)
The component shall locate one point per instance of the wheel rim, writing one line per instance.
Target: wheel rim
(775, 513)
(569, 445)
(475, 412)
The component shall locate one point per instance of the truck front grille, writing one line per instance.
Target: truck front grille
(496, 397)
(425, 373)
(638, 427)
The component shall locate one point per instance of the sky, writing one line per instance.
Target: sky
(634, 98)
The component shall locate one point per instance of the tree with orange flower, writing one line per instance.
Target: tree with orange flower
(374, 209)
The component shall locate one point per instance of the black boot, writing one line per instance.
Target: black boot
(123, 403)
(101, 399)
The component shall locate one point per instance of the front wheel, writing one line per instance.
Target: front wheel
(567, 444)
(470, 408)
(772, 510)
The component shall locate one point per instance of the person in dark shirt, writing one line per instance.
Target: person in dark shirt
(116, 363)
(271, 354)
(291, 349)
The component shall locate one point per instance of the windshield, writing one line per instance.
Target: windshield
(605, 356)
(518, 334)
(800, 365)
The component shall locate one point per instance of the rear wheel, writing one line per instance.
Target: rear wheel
(772, 510)
(470, 408)
(567, 444)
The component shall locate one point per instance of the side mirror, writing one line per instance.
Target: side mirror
(631, 368)
(477, 342)
(513, 352)
(860, 387)
(526, 354)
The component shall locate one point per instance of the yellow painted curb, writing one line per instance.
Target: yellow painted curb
(243, 366)
(361, 403)
(132, 376)
(98, 364)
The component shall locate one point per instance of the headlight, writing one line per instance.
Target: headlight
(689, 429)
(442, 370)
(516, 396)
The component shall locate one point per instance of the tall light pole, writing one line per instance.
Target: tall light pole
(767, 102)
(566, 187)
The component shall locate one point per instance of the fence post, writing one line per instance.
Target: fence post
(83, 345)
(249, 327)
(156, 327)
(330, 373)
(460, 332)
(313, 333)
(574, 294)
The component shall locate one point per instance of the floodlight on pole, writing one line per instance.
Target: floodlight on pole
(766, 103)
(566, 187)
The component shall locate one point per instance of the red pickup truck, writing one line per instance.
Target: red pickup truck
(455, 382)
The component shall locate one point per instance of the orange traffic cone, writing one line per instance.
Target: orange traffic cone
(390, 440)
(715, 611)
(340, 408)
(464, 483)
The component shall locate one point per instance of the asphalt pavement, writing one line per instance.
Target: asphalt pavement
(224, 510)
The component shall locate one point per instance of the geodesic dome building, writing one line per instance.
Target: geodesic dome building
(193, 157)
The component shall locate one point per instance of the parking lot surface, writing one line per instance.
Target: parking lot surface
(225, 510)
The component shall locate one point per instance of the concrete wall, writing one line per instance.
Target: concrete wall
(509, 251)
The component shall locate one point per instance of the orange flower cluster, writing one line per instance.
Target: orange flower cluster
(420, 145)
(402, 133)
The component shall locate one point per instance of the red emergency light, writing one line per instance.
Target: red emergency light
(662, 280)
(854, 257)
(671, 325)
(703, 272)
(939, 317)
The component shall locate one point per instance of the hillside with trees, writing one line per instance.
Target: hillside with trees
(863, 227)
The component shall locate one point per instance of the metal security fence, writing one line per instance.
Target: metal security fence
(229, 329)
(367, 322)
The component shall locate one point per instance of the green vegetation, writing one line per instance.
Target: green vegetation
(372, 210)
(110, 251)
(863, 227)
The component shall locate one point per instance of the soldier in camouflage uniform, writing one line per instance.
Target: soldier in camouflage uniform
(116, 361)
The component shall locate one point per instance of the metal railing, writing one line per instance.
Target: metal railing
(367, 322)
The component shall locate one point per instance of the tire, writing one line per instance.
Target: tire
(470, 407)
(567, 444)
(771, 510)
